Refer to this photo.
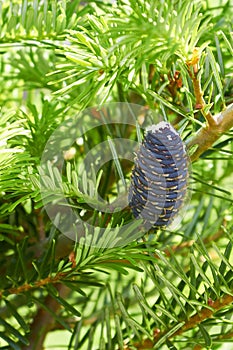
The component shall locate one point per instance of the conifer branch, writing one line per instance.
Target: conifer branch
(205, 313)
(209, 134)
(215, 125)
(191, 323)
(57, 58)
(38, 284)
(193, 71)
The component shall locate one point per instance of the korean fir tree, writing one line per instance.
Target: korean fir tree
(80, 83)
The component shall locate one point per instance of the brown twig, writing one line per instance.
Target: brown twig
(40, 283)
(205, 313)
(27, 287)
(41, 226)
(193, 71)
(200, 102)
(213, 238)
(207, 135)
(215, 125)
(226, 336)
(191, 323)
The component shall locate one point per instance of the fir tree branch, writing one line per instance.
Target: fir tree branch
(187, 244)
(204, 314)
(61, 275)
(77, 54)
(198, 347)
(38, 284)
(228, 335)
(208, 134)
(191, 323)
(181, 247)
(193, 71)
(215, 125)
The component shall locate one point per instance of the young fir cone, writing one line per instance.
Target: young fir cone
(159, 178)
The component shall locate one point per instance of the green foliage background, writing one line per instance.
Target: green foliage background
(171, 290)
